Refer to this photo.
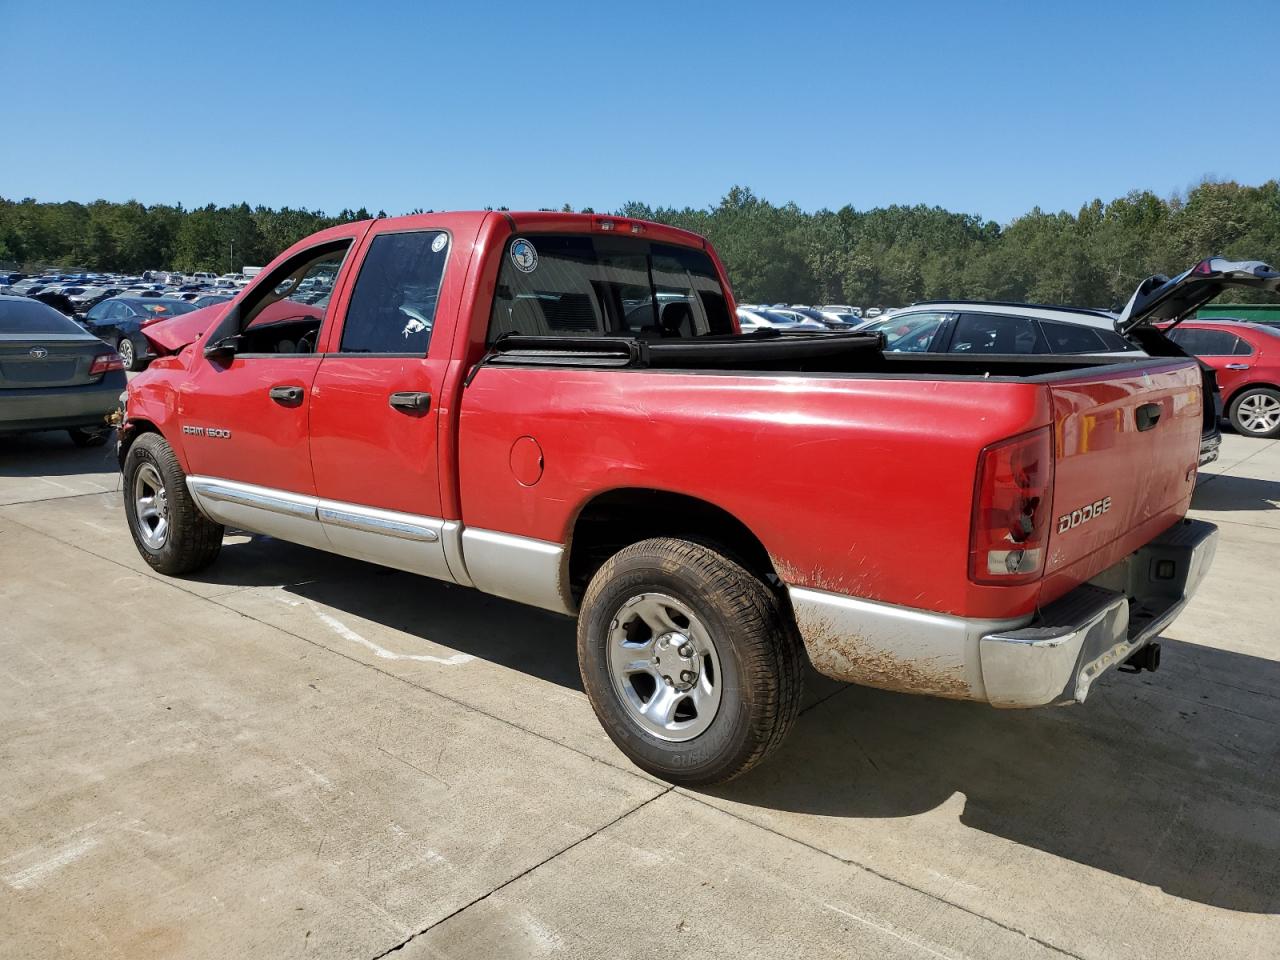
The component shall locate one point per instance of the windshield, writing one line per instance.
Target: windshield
(783, 319)
(33, 317)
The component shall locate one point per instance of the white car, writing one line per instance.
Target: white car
(973, 327)
(762, 318)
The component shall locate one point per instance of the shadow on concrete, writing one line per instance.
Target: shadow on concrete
(1229, 493)
(1170, 782)
(52, 454)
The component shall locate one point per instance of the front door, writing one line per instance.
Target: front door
(375, 408)
(244, 416)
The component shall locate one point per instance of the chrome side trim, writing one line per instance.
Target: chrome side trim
(248, 495)
(892, 647)
(277, 513)
(405, 526)
(518, 568)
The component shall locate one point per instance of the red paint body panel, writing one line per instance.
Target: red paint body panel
(860, 485)
(851, 486)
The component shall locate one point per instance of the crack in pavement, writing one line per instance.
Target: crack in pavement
(524, 873)
(629, 769)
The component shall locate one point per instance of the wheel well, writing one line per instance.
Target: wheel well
(1245, 388)
(620, 518)
(130, 431)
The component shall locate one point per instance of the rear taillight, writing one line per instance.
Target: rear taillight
(1011, 504)
(104, 363)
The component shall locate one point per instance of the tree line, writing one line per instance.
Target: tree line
(885, 256)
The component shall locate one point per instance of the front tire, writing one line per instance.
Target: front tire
(691, 664)
(1256, 413)
(171, 533)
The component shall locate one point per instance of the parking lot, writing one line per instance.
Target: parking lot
(298, 754)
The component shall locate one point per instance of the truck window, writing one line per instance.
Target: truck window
(393, 305)
(284, 313)
(557, 285)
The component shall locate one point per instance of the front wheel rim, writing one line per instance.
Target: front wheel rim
(1259, 413)
(151, 507)
(664, 667)
(125, 349)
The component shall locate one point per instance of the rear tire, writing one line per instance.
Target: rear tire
(1255, 412)
(171, 533)
(88, 436)
(667, 609)
(129, 354)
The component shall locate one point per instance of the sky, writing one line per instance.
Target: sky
(983, 108)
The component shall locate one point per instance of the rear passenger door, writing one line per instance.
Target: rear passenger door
(375, 403)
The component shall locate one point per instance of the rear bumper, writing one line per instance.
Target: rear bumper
(1053, 657)
(1098, 625)
(56, 408)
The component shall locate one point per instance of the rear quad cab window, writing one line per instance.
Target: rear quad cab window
(393, 305)
(557, 285)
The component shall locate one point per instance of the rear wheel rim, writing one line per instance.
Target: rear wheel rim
(1259, 413)
(125, 349)
(664, 667)
(151, 507)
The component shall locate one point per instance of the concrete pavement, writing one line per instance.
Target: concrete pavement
(300, 755)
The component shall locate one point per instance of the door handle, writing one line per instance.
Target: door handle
(1237, 366)
(411, 402)
(1148, 415)
(286, 395)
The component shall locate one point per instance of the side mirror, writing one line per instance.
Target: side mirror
(223, 349)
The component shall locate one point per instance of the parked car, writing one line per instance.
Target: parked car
(54, 375)
(120, 322)
(519, 437)
(1245, 357)
(988, 327)
(827, 320)
(209, 299)
(785, 321)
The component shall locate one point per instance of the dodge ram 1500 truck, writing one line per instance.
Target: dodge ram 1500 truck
(560, 409)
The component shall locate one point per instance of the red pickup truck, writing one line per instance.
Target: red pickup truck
(560, 409)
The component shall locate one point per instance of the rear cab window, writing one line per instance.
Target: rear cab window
(568, 285)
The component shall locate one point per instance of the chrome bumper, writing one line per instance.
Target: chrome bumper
(1053, 657)
(1098, 625)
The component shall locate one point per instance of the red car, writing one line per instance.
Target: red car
(560, 409)
(1246, 359)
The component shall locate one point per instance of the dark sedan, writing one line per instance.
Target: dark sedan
(54, 375)
(119, 321)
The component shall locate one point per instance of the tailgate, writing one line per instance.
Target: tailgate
(1126, 448)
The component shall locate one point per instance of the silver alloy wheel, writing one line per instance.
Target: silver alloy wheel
(150, 507)
(1259, 413)
(664, 667)
(125, 349)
